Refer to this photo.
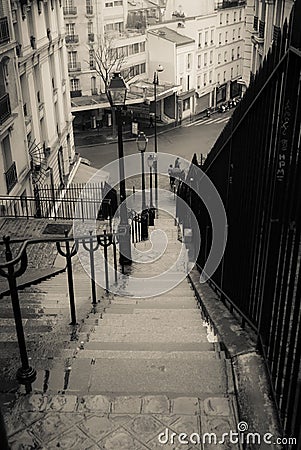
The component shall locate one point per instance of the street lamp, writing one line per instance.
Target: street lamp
(156, 83)
(142, 144)
(151, 161)
(117, 94)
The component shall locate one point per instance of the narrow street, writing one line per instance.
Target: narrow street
(195, 137)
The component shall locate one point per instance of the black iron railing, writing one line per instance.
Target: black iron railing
(255, 23)
(70, 10)
(5, 110)
(71, 38)
(261, 29)
(77, 93)
(4, 30)
(11, 177)
(255, 165)
(74, 66)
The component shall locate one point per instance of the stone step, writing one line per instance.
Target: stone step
(200, 377)
(90, 355)
(150, 346)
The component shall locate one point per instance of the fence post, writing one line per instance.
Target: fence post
(105, 241)
(91, 251)
(68, 255)
(25, 374)
(3, 435)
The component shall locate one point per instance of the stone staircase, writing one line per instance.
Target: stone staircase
(132, 369)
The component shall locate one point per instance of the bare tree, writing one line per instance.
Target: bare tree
(108, 59)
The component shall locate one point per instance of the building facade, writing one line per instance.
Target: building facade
(264, 19)
(36, 121)
(14, 159)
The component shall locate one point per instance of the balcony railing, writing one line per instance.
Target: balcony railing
(70, 10)
(74, 67)
(77, 93)
(11, 177)
(276, 33)
(71, 38)
(261, 29)
(4, 30)
(89, 10)
(255, 24)
(230, 3)
(5, 110)
(91, 37)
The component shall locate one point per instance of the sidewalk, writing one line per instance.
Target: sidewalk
(133, 370)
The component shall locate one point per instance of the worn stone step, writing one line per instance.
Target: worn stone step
(197, 377)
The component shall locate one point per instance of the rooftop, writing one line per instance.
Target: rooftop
(172, 36)
(141, 4)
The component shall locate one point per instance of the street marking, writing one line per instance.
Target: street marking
(208, 121)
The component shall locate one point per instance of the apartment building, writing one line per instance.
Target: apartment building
(86, 23)
(176, 53)
(230, 32)
(44, 95)
(142, 13)
(14, 159)
(264, 20)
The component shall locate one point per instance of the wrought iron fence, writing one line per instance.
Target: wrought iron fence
(78, 201)
(255, 165)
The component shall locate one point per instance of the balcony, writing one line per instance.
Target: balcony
(261, 29)
(5, 110)
(11, 177)
(255, 23)
(4, 30)
(77, 93)
(74, 67)
(89, 10)
(91, 37)
(230, 3)
(276, 33)
(70, 10)
(71, 39)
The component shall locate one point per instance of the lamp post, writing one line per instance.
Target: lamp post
(156, 83)
(117, 95)
(142, 144)
(151, 161)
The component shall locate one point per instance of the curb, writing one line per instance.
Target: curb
(251, 384)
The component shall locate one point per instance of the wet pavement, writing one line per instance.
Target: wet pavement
(135, 372)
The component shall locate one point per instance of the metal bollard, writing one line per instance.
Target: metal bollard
(91, 249)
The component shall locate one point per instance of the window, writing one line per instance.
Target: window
(238, 52)
(219, 58)
(211, 36)
(220, 38)
(91, 59)
(189, 61)
(118, 3)
(200, 40)
(109, 4)
(6, 152)
(142, 68)
(181, 81)
(218, 78)
(188, 82)
(70, 28)
(224, 75)
(89, 7)
(74, 83)
(142, 46)
(72, 60)
(227, 18)
(210, 76)
(232, 54)
(231, 73)
(206, 37)
(235, 16)
(225, 56)
(205, 79)
(233, 35)
(221, 19)
(186, 104)
(136, 48)
(211, 57)
(93, 86)
(90, 27)
(199, 82)
(240, 13)
(199, 61)
(226, 36)
(237, 69)
(239, 30)
(205, 59)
